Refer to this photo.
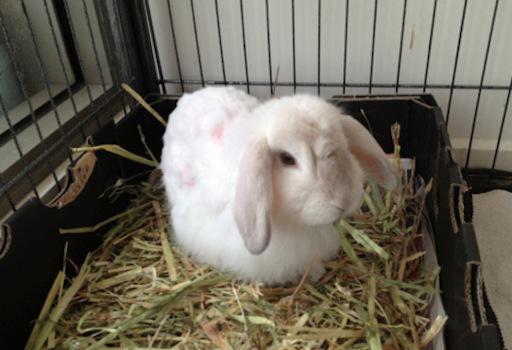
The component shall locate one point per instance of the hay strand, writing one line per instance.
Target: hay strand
(120, 151)
(143, 103)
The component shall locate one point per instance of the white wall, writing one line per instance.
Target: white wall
(389, 20)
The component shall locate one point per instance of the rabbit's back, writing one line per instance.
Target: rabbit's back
(199, 143)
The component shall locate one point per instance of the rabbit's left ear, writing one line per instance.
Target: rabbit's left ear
(369, 153)
(253, 197)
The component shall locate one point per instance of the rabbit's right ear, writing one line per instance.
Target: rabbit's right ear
(253, 197)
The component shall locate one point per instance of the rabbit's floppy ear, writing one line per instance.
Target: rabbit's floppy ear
(253, 196)
(369, 153)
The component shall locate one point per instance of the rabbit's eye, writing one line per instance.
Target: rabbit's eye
(287, 159)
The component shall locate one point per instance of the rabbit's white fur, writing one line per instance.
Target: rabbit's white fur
(207, 144)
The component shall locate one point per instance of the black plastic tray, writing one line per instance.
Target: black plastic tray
(34, 251)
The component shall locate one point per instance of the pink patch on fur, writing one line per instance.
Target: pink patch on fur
(218, 133)
(189, 183)
(186, 177)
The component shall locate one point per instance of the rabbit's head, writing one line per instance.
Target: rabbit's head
(305, 167)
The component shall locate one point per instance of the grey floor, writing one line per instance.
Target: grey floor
(493, 223)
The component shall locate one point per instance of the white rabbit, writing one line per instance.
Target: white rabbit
(255, 188)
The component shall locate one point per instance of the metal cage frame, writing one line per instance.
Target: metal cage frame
(487, 178)
(117, 31)
(134, 57)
